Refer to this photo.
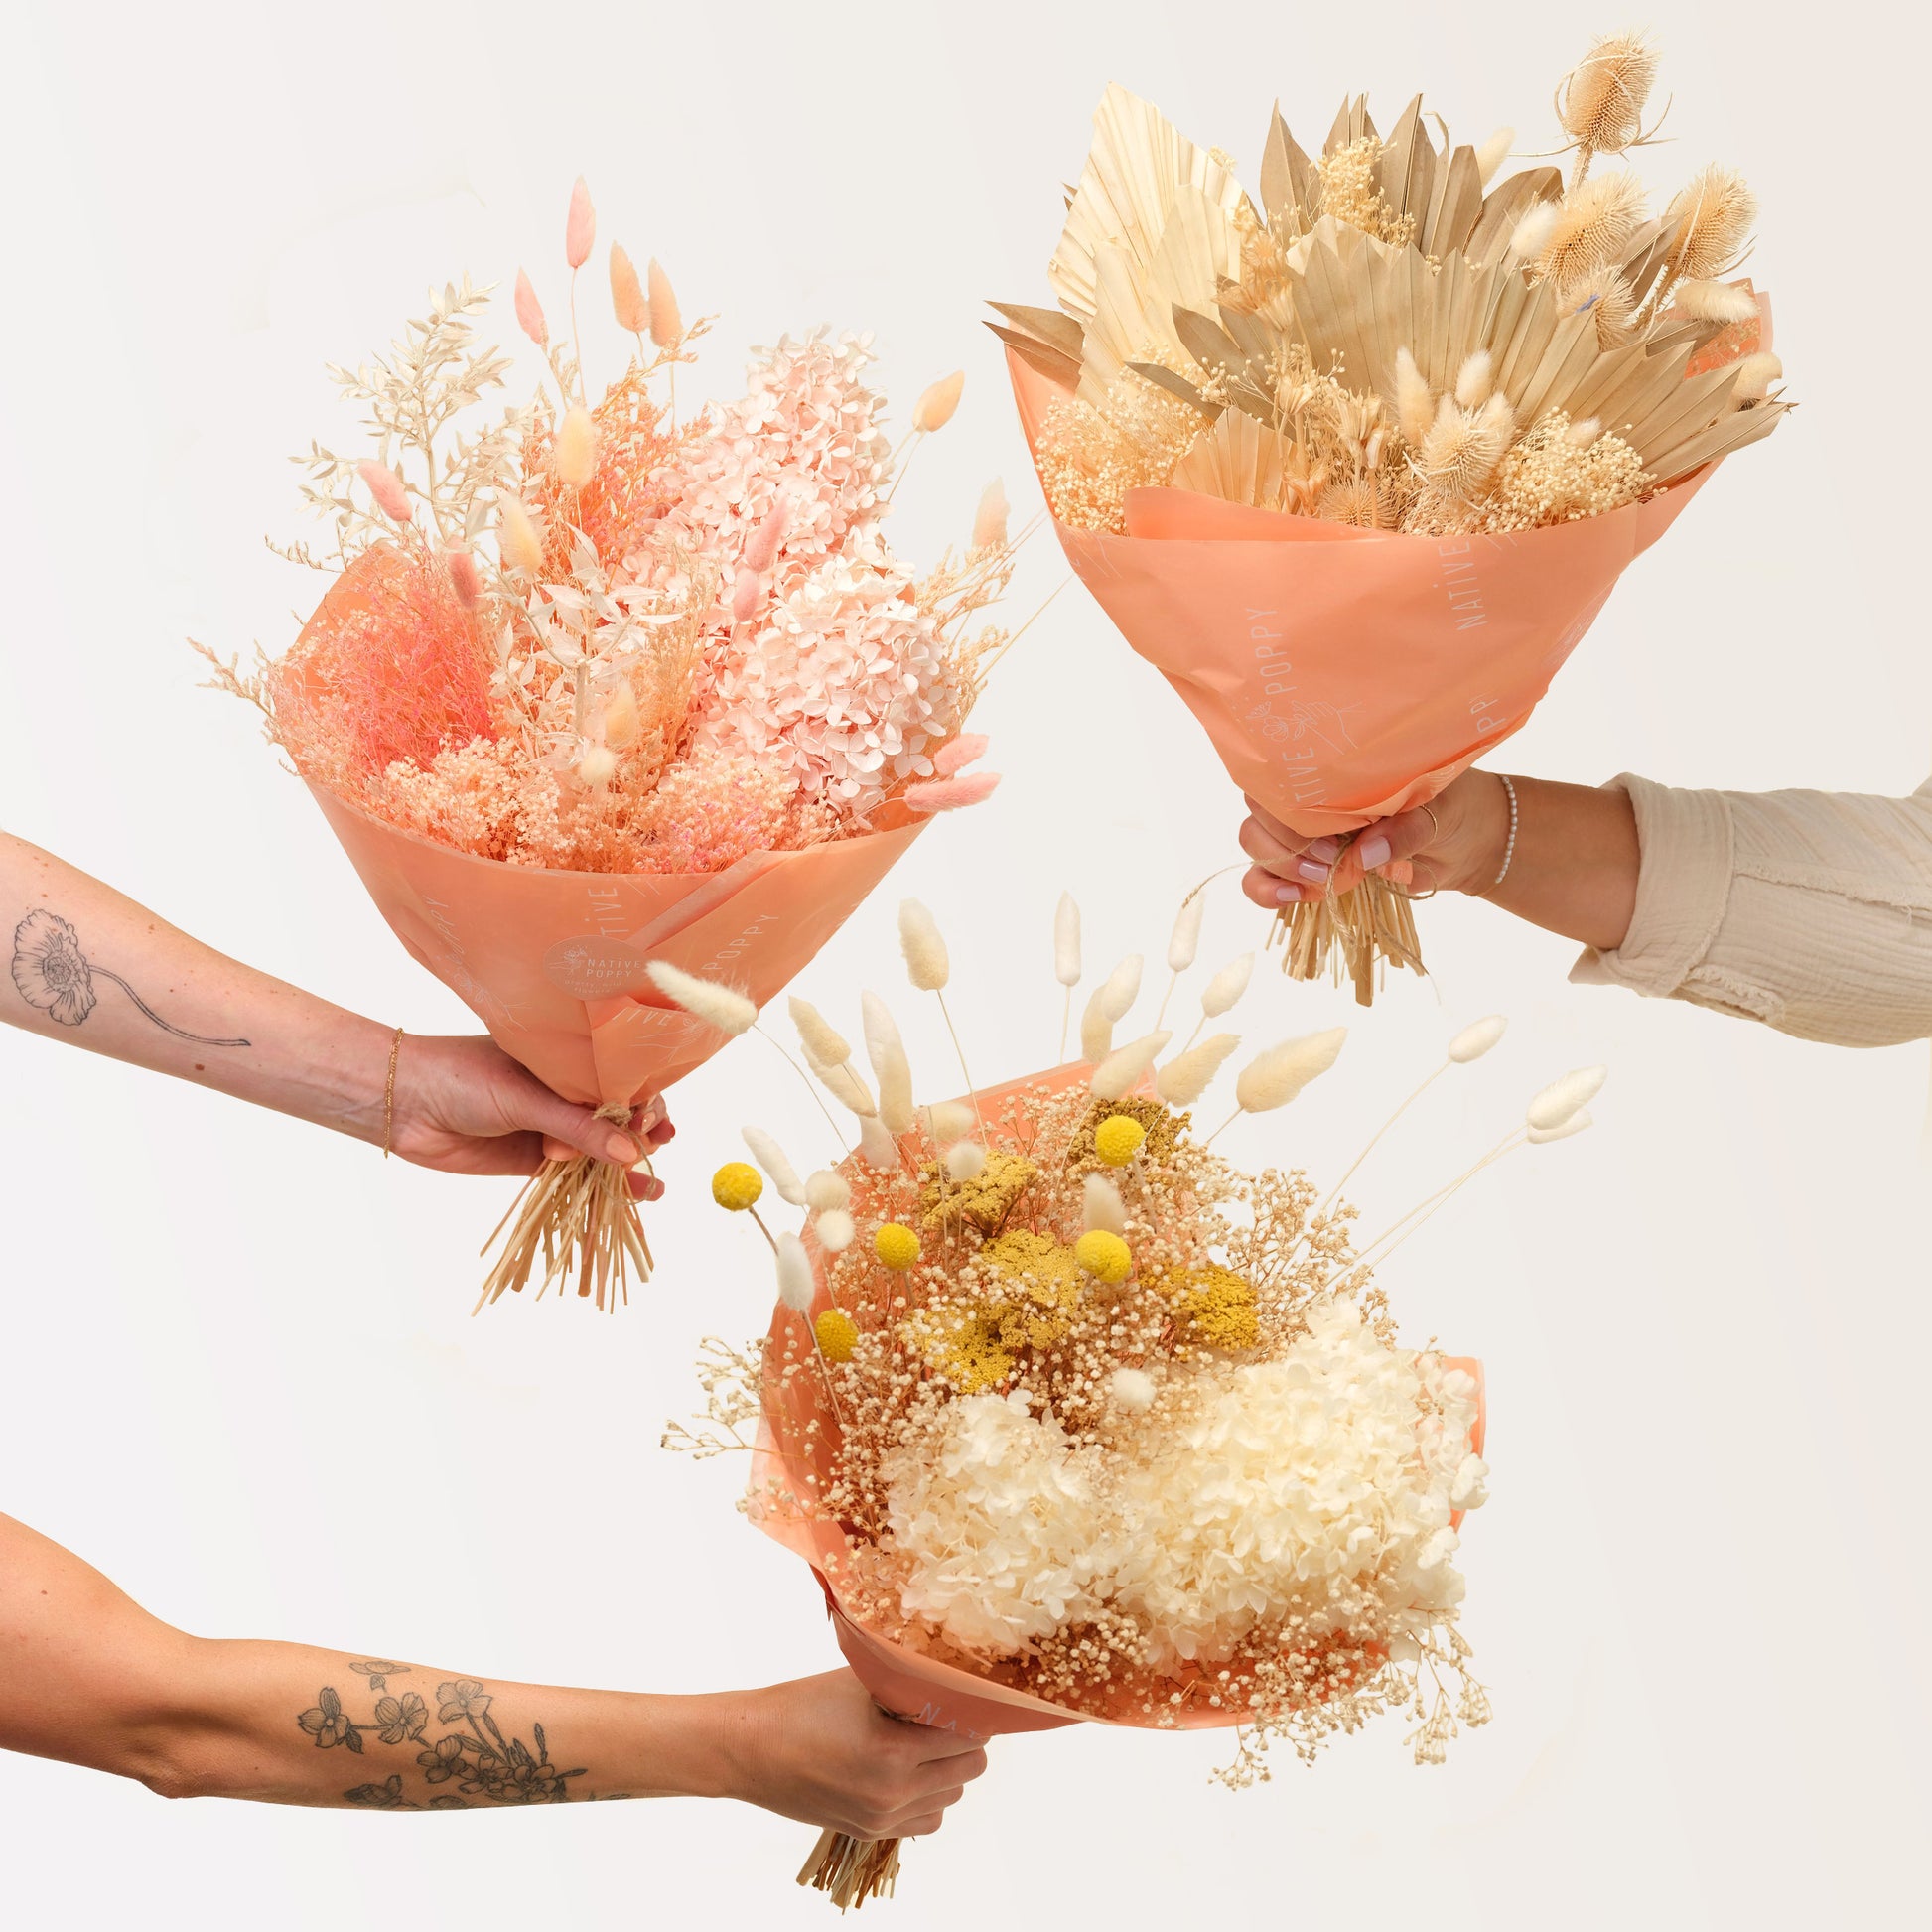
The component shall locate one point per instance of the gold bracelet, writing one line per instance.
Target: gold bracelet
(389, 1094)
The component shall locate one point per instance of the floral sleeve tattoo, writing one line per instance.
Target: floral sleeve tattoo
(55, 977)
(461, 1755)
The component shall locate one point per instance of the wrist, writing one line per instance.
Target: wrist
(1481, 802)
(707, 1745)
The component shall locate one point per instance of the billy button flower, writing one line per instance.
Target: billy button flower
(897, 1246)
(737, 1185)
(1118, 1138)
(837, 1334)
(1104, 1256)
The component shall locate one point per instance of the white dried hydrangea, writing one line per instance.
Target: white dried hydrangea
(1313, 1486)
(998, 1520)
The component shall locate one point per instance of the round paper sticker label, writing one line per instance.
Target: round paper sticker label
(596, 969)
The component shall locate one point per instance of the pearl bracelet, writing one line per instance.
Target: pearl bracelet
(1509, 847)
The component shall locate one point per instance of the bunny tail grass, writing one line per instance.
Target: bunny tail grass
(1354, 935)
(581, 1216)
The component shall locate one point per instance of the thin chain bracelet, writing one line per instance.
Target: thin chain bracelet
(389, 1096)
(1509, 848)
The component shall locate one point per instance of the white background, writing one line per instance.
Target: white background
(238, 1368)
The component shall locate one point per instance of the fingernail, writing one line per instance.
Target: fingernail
(653, 1188)
(622, 1149)
(1326, 850)
(1287, 894)
(1315, 874)
(1375, 852)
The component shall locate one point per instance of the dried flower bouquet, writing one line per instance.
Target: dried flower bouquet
(1074, 1419)
(596, 691)
(1357, 464)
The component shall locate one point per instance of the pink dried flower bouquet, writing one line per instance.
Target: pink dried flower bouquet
(593, 690)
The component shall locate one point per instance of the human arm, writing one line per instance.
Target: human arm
(1811, 911)
(93, 969)
(88, 1677)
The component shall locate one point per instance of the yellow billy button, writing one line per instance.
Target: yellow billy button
(837, 1335)
(898, 1247)
(1104, 1256)
(1118, 1138)
(737, 1185)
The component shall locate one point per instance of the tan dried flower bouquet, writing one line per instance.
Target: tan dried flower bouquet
(1356, 463)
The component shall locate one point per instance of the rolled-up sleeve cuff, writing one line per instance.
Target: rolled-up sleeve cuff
(1683, 890)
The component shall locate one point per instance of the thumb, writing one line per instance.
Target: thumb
(577, 1128)
(1409, 835)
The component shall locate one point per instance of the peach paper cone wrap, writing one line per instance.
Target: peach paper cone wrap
(902, 1678)
(1343, 674)
(553, 962)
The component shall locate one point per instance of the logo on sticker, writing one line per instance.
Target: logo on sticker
(595, 969)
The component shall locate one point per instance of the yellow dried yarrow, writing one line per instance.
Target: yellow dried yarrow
(983, 1202)
(1216, 1306)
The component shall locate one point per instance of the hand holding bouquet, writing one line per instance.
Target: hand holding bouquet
(597, 696)
(1074, 1419)
(1357, 464)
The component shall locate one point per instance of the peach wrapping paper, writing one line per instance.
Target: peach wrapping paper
(553, 962)
(901, 1678)
(1344, 675)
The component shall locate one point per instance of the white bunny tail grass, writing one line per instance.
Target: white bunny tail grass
(772, 1157)
(1476, 1039)
(1708, 300)
(843, 1083)
(1563, 1097)
(835, 1229)
(889, 1066)
(919, 939)
(794, 1272)
(1127, 1067)
(948, 1121)
(877, 1147)
(1189, 1076)
(1575, 1124)
(822, 1041)
(825, 1189)
(1276, 1076)
(718, 1006)
(1101, 1205)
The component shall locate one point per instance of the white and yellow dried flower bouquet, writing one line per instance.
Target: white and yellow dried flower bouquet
(1073, 1419)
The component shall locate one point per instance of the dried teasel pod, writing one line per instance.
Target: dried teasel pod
(1593, 226)
(1710, 219)
(1601, 101)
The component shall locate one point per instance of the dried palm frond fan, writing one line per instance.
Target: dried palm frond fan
(1389, 343)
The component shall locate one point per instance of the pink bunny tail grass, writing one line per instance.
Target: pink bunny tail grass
(628, 294)
(391, 498)
(529, 312)
(952, 758)
(666, 324)
(744, 596)
(762, 546)
(952, 794)
(464, 579)
(580, 227)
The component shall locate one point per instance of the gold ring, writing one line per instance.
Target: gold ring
(1434, 823)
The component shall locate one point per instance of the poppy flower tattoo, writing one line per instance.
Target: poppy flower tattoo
(54, 976)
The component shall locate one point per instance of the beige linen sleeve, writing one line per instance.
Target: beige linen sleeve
(1809, 910)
